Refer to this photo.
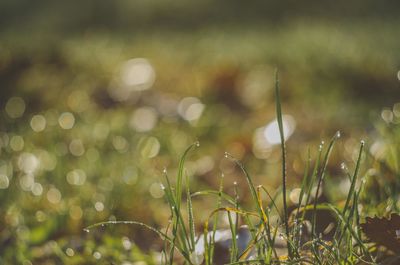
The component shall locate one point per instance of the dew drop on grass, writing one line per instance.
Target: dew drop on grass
(86, 230)
(226, 154)
(343, 166)
(165, 171)
(197, 143)
(235, 183)
(321, 146)
(362, 142)
(338, 134)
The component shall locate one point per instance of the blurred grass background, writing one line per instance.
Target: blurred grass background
(97, 97)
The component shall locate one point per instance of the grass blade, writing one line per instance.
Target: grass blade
(283, 150)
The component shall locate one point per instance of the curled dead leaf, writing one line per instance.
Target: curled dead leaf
(384, 232)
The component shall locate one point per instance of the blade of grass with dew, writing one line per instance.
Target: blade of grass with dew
(176, 200)
(321, 177)
(271, 249)
(272, 201)
(352, 185)
(271, 240)
(171, 202)
(177, 221)
(353, 233)
(165, 243)
(180, 174)
(247, 176)
(237, 206)
(190, 216)
(353, 182)
(252, 191)
(223, 195)
(264, 218)
(234, 249)
(210, 245)
(283, 150)
(360, 190)
(210, 249)
(229, 209)
(312, 178)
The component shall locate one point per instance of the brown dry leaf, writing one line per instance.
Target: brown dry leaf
(384, 232)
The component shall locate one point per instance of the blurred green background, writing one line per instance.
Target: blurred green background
(98, 97)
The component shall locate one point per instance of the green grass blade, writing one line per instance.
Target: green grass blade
(190, 216)
(283, 150)
(353, 182)
(321, 177)
(223, 195)
(353, 233)
(180, 174)
(313, 178)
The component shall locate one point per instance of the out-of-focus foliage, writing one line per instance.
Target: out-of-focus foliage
(97, 97)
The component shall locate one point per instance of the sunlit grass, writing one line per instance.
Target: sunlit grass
(72, 154)
(304, 245)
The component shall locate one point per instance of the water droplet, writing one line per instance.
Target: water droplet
(362, 142)
(320, 147)
(222, 175)
(343, 166)
(86, 230)
(197, 143)
(226, 154)
(338, 134)
(162, 186)
(322, 142)
(165, 171)
(235, 183)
